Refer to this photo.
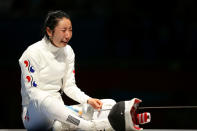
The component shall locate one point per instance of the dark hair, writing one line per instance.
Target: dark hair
(52, 19)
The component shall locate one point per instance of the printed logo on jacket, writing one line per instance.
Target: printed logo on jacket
(31, 70)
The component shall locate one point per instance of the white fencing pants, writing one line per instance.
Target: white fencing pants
(53, 110)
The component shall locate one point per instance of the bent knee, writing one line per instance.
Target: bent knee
(108, 102)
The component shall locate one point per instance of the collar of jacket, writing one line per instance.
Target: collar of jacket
(50, 46)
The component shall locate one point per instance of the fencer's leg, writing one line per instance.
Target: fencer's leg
(107, 104)
(55, 110)
(101, 122)
(99, 125)
(60, 126)
(33, 120)
(57, 126)
(102, 116)
(87, 112)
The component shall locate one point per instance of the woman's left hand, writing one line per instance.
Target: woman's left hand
(95, 103)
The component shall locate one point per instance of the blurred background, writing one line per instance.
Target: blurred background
(124, 49)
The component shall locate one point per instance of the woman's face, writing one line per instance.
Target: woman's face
(62, 33)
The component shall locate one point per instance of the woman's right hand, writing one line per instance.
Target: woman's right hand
(95, 103)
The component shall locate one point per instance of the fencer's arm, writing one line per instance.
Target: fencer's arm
(69, 85)
(29, 77)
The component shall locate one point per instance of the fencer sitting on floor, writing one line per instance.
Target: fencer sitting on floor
(47, 66)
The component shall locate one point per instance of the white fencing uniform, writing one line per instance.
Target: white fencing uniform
(45, 70)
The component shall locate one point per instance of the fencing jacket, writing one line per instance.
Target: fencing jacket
(45, 69)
